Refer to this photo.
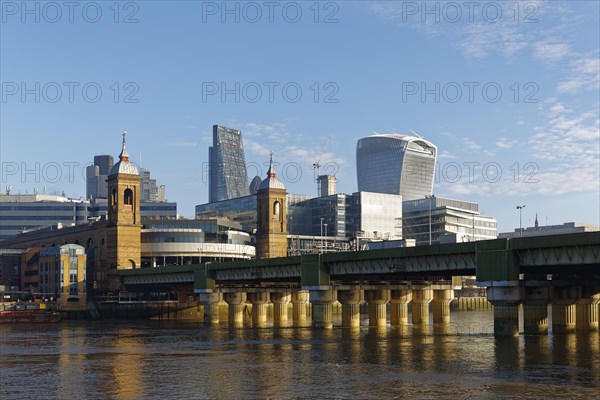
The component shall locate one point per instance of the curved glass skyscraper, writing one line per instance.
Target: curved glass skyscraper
(396, 164)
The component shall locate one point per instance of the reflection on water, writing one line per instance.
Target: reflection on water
(188, 360)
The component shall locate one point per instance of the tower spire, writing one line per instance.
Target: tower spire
(124, 156)
(271, 171)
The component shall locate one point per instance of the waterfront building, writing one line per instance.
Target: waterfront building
(271, 206)
(228, 177)
(396, 164)
(442, 220)
(9, 267)
(62, 275)
(537, 230)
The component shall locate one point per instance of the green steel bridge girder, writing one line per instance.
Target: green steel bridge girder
(491, 260)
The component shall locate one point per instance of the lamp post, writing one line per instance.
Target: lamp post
(321, 235)
(520, 208)
(430, 198)
(325, 234)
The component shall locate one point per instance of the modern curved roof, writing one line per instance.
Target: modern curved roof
(271, 181)
(124, 166)
(405, 138)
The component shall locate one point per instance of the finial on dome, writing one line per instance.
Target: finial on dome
(271, 171)
(124, 156)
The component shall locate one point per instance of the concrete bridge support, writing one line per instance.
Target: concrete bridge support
(259, 308)
(210, 301)
(350, 300)
(322, 301)
(587, 308)
(237, 303)
(280, 302)
(506, 300)
(377, 300)
(441, 305)
(535, 308)
(399, 300)
(299, 302)
(420, 306)
(564, 312)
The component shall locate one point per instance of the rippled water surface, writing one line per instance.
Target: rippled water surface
(183, 360)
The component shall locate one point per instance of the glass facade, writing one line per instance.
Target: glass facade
(448, 220)
(19, 213)
(396, 164)
(228, 177)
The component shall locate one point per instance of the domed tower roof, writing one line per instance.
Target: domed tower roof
(123, 166)
(271, 181)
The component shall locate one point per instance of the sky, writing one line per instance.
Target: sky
(507, 91)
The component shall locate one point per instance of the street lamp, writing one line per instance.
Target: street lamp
(321, 235)
(430, 206)
(325, 234)
(520, 208)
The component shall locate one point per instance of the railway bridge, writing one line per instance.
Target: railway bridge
(559, 270)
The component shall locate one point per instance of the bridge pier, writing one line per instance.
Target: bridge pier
(299, 302)
(535, 307)
(236, 302)
(259, 308)
(210, 301)
(350, 300)
(506, 300)
(420, 305)
(587, 308)
(441, 305)
(564, 312)
(322, 301)
(280, 302)
(399, 300)
(377, 300)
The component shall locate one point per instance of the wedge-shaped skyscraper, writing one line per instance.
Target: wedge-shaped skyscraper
(396, 164)
(228, 177)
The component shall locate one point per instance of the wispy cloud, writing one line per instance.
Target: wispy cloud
(505, 143)
(583, 76)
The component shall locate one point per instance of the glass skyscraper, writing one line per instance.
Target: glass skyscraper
(396, 164)
(228, 177)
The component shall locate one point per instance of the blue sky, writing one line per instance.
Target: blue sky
(508, 91)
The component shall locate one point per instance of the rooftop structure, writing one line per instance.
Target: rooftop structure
(396, 164)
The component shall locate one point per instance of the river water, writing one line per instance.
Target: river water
(185, 360)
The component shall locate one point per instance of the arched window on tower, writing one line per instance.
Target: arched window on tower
(113, 199)
(276, 209)
(128, 199)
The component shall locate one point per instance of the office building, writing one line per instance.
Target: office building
(327, 185)
(21, 213)
(62, 275)
(227, 173)
(435, 220)
(537, 230)
(396, 164)
(96, 176)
